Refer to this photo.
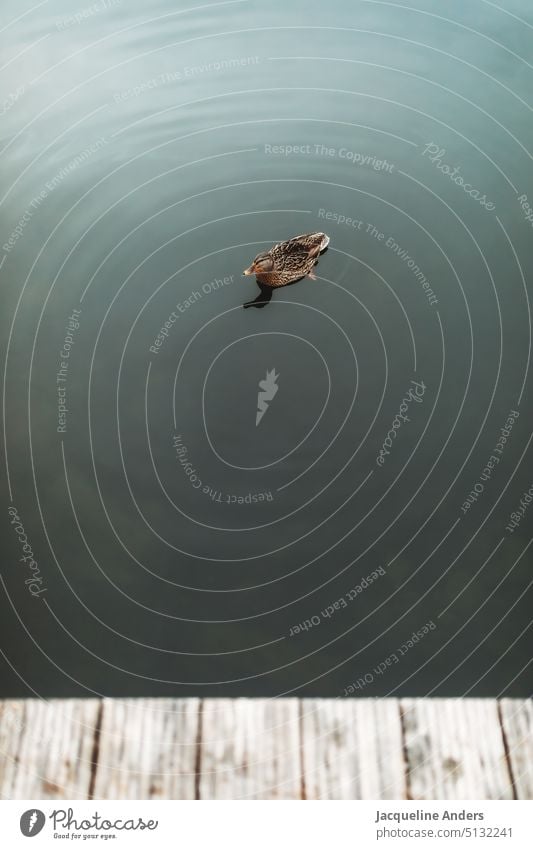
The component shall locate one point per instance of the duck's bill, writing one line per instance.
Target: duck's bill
(248, 271)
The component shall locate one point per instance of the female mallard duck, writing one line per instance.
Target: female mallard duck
(289, 261)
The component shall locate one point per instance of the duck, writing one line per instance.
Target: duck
(288, 261)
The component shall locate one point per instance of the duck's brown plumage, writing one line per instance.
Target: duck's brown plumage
(288, 261)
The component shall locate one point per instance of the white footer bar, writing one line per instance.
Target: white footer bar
(268, 825)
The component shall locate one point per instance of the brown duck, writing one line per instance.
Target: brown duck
(285, 263)
(289, 261)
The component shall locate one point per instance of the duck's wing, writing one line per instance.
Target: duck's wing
(311, 243)
(293, 253)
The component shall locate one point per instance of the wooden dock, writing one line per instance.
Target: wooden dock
(266, 749)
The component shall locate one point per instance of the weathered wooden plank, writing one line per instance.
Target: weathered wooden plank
(250, 749)
(46, 748)
(10, 732)
(266, 749)
(455, 749)
(517, 724)
(147, 748)
(352, 749)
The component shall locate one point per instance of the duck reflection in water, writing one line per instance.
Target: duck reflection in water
(264, 296)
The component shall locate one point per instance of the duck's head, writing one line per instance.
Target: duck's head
(262, 264)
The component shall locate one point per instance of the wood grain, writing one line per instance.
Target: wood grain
(266, 749)
(46, 748)
(147, 749)
(352, 749)
(517, 725)
(455, 749)
(250, 749)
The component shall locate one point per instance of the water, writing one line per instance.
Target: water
(173, 546)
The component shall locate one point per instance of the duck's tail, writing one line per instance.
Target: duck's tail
(325, 241)
(316, 243)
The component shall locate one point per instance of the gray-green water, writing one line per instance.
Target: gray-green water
(156, 539)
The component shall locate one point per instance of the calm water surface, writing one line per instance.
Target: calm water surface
(156, 539)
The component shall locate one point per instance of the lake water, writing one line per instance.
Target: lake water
(158, 539)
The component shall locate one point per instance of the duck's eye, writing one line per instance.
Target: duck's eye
(264, 261)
